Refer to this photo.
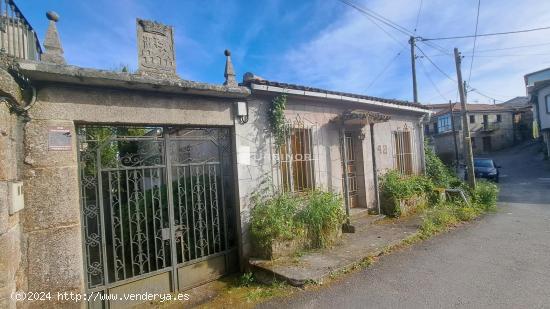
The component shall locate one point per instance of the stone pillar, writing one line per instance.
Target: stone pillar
(52, 224)
(10, 162)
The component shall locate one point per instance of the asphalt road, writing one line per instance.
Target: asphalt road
(499, 261)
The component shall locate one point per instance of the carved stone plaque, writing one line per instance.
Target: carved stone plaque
(155, 49)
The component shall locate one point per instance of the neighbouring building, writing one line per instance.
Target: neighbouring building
(118, 182)
(492, 127)
(537, 85)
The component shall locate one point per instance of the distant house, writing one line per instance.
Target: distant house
(492, 128)
(537, 85)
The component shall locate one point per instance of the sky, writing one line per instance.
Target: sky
(318, 43)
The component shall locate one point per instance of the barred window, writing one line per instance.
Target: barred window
(403, 152)
(297, 161)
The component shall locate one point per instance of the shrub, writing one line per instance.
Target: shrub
(316, 215)
(273, 218)
(437, 171)
(394, 187)
(485, 195)
(322, 215)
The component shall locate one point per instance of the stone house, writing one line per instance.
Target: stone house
(492, 127)
(537, 85)
(117, 182)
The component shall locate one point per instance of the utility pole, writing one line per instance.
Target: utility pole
(468, 154)
(454, 135)
(413, 61)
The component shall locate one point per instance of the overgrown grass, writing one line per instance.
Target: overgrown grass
(322, 216)
(447, 214)
(395, 187)
(316, 215)
(274, 218)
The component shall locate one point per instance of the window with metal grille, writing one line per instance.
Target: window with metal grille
(297, 161)
(403, 152)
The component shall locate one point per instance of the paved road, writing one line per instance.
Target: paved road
(499, 261)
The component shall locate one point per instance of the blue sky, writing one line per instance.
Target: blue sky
(320, 43)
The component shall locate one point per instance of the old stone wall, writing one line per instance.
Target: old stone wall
(52, 217)
(12, 276)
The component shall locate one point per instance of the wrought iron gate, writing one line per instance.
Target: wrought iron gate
(154, 201)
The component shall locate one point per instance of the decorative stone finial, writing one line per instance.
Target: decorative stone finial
(229, 73)
(53, 16)
(52, 43)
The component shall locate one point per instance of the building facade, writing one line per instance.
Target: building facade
(117, 182)
(537, 85)
(492, 127)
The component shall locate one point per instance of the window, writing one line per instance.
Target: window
(547, 103)
(403, 152)
(499, 118)
(297, 162)
(473, 142)
(444, 123)
(472, 119)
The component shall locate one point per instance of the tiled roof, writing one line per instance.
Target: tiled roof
(259, 81)
(517, 102)
(444, 108)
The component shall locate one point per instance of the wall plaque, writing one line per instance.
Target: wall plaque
(155, 49)
(59, 138)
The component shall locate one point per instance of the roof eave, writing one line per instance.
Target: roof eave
(329, 96)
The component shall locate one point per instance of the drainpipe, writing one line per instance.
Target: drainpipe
(374, 168)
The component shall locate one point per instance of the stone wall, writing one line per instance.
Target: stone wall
(52, 217)
(12, 276)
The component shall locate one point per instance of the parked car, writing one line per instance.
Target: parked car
(485, 168)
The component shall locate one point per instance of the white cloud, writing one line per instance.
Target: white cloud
(349, 53)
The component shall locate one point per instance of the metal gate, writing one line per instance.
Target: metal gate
(157, 207)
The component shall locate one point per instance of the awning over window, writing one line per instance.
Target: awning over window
(360, 118)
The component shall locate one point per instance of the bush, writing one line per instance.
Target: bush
(437, 171)
(316, 215)
(485, 195)
(322, 216)
(273, 218)
(394, 187)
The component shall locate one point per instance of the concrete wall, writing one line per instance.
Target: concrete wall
(12, 275)
(253, 140)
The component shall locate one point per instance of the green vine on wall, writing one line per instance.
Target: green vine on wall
(277, 119)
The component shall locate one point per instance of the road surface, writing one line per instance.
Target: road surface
(499, 261)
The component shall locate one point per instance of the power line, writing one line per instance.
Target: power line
(484, 34)
(475, 41)
(378, 17)
(435, 65)
(431, 81)
(386, 67)
(512, 47)
(418, 16)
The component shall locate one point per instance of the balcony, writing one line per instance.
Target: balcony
(17, 37)
(488, 127)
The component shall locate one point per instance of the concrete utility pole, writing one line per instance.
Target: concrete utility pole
(468, 154)
(454, 136)
(413, 61)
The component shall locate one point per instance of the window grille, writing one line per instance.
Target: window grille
(296, 159)
(404, 154)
